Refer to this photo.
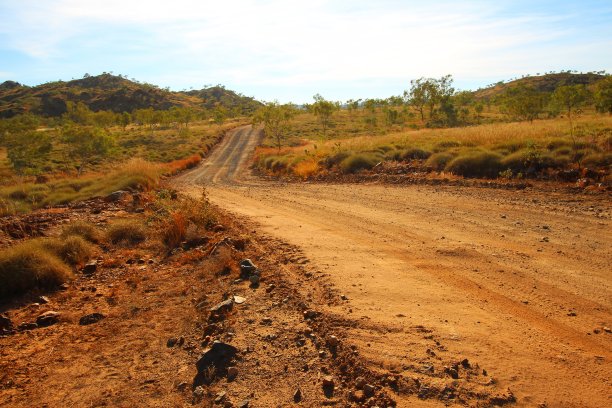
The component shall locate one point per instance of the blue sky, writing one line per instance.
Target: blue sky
(290, 50)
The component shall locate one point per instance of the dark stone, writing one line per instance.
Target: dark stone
(91, 319)
(368, 390)
(297, 396)
(247, 268)
(90, 267)
(217, 355)
(6, 325)
(223, 307)
(27, 326)
(47, 319)
(116, 196)
(171, 342)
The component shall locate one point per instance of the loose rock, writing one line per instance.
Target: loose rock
(91, 319)
(47, 319)
(328, 381)
(90, 267)
(247, 268)
(239, 300)
(368, 390)
(297, 395)
(232, 373)
(216, 355)
(223, 307)
(6, 325)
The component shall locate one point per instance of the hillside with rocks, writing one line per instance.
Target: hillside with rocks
(113, 93)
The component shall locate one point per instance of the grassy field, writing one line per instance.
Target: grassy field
(363, 122)
(139, 157)
(518, 149)
(161, 145)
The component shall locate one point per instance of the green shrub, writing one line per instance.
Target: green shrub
(476, 164)
(30, 265)
(438, 161)
(126, 232)
(82, 229)
(359, 161)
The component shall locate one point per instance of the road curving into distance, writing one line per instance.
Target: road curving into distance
(518, 282)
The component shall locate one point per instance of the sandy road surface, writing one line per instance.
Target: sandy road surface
(518, 282)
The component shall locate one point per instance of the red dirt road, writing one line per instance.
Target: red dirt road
(518, 282)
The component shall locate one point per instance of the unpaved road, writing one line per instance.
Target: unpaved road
(518, 282)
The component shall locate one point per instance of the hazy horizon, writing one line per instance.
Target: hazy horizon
(291, 50)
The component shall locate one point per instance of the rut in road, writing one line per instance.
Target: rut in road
(516, 281)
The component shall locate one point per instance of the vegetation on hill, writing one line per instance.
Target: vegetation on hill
(115, 93)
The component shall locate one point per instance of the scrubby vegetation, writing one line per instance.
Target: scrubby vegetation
(471, 134)
(127, 232)
(30, 265)
(518, 149)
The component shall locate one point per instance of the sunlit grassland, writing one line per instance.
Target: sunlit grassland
(511, 144)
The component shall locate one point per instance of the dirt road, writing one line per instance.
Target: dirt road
(518, 282)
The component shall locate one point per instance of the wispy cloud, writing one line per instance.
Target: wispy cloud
(279, 45)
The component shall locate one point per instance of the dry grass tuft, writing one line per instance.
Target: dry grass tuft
(126, 232)
(174, 231)
(30, 265)
(306, 169)
(73, 249)
(82, 229)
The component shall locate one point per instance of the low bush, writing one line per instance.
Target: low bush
(359, 161)
(445, 145)
(126, 232)
(336, 158)
(415, 153)
(306, 169)
(174, 230)
(476, 164)
(30, 265)
(82, 229)
(73, 249)
(598, 159)
(438, 161)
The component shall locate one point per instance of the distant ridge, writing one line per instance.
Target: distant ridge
(542, 83)
(114, 93)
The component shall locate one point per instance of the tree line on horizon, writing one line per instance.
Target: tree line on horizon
(436, 103)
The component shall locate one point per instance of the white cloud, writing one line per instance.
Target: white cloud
(285, 43)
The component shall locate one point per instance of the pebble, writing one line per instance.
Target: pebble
(232, 373)
(244, 404)
(91, 319)
(368, 390)
(332, 341)
(90, 267)
(254, 279)
(48, 318)
(328, 381)
(360, 382)
(219, 397)
(297, 395)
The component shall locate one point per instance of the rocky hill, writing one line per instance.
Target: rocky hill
(114, 93)
(542, 83)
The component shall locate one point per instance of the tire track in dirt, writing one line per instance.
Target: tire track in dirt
(465, 270)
